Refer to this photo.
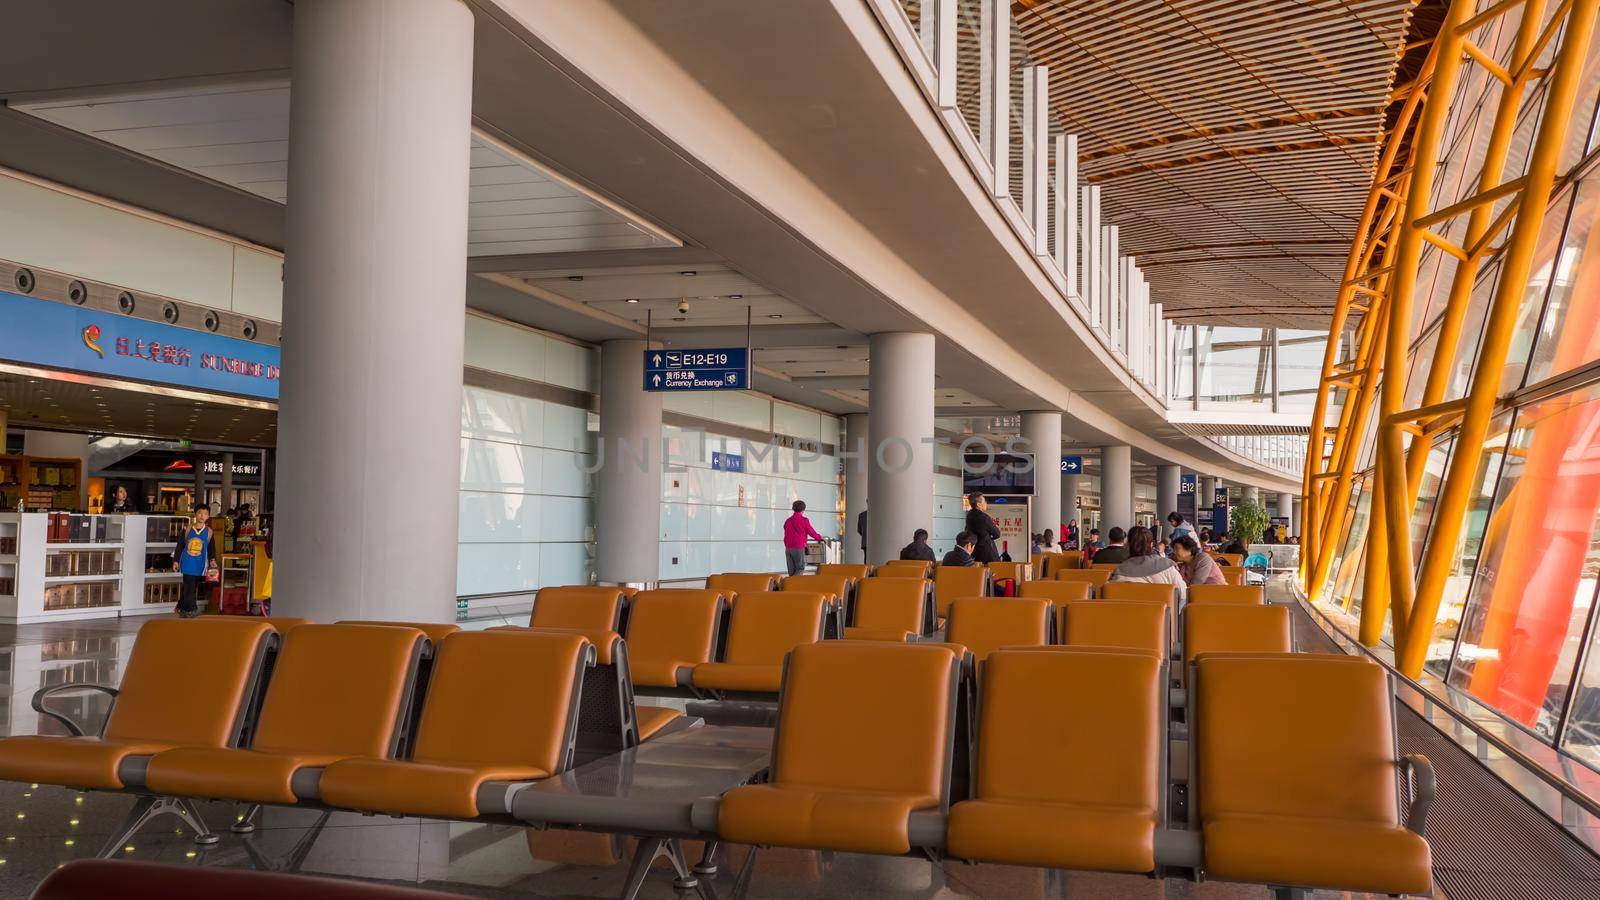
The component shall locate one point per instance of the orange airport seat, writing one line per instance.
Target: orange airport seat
(904, 568)
(1057, 592)
(1122, 624)
(857, 571)
(1058, 785)
(763, 627)
(1016, 571)
(836, 587)
(459, 744)
(890, 609)
(1232, 560)
(1231, 575)
(984, 625)
(894, 707)
(1325, 813)
(1247, 594)
(582, 607)
(1236, 628)
(1165, 594)
(337, 691)
(145, 718)
(435, 631)
(740, 582)
(950, 582)
(1095, 578)
(669, 633)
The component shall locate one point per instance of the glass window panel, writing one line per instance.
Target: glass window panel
(1234, 364)
(1471, 332)
(1344, 574)
(1536, 580)
(1544, 269)
(1464, 561)
(1569, 336)
(1428, 493)
(971, 79)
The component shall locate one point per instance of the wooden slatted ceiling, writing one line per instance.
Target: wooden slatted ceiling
(1235, 139)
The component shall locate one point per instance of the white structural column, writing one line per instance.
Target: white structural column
(1042, 433)
(1116, 487)
(1208, 491)
(1167, 480)
(1286, 508)
(369, 422)
(627, 547)
(1071, 485)
(1294, 520)
(854, 454)
(1253, 494)
(900, 441)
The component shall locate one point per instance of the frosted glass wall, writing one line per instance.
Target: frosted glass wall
(948, 516)
(721, 521)
(526, 501)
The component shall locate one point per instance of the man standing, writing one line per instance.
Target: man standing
(861, 529)
(982, 529)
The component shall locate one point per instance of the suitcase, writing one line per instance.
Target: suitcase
(236, 601)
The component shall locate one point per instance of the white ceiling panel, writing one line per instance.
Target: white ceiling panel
(239, 137)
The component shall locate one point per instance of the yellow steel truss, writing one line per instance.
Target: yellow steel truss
(1413, 594)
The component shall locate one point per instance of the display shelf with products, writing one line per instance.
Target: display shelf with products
(69, 565)
(52, 483)
(12, 469)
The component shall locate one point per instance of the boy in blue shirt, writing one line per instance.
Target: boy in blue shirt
(193, 559)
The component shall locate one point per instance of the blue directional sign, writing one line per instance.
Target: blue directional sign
(712, 369)
(1186, 484)
(1072, 465)
(727, 462)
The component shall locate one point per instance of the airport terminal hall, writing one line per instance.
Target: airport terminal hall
(800, 449)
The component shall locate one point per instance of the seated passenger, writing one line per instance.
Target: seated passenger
(1116, 551)
(918, 548)
(1047, 541)
(1195, 565)
(962, 554)
(1145, 565)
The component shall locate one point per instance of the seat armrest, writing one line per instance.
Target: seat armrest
(72, 727)
(1423, 787)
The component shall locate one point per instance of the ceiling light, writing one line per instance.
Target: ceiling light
(821, 372)
(688, 273)
(774, 316)
(680, 318)
(735, 296)
(574, 277)
(633, 299)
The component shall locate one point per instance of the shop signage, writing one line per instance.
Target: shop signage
(214, 467)
(727, 462)
(794, 443)
(44, 333)
(710, 369)
(1071, 465)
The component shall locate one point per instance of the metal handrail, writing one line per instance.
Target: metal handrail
(1565, 788)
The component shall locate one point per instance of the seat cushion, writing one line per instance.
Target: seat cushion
(654, 718)
(245, 775)
(738, 677)
(1344, 854)
(1054, 835)
(398, 787)
(897, 635)
(82, 762)
(662, 673)
(816, 819)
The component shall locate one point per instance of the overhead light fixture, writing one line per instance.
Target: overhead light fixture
(574, 277)
(680, 319)
(633, 299)
(688, 273)
(735, 296)
(774, 316)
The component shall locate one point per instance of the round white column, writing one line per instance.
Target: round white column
(854, 454)
(1116, 488)
(369, 422)
(900, 442)
(1041, 430)
(1167, 480)
(627, 546)
(1208, 491)
(1286, 508)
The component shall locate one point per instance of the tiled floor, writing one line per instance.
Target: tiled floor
(42, 827)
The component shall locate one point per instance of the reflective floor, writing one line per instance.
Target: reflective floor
(42, 827)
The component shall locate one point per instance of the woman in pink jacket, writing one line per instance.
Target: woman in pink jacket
(796, 531)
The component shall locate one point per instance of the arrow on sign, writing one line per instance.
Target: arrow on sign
(657, 380)
(656, 359)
